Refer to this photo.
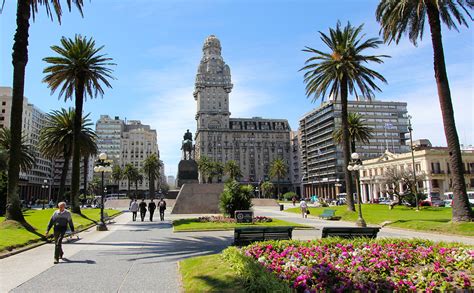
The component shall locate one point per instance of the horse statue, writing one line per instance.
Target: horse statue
(187, 146)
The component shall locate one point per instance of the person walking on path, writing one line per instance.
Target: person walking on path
(304, 208)
(151, 209)
(142, 206)
(59, 221)
(162, 207)
(293, 199)
(134, 209)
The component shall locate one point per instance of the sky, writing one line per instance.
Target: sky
(157, 46)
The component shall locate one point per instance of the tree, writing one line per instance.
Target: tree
(117, 175)
(152, 167)
(27, 161)
(235, 197)
(408, 17)
(217, 170)
(56, 140)
(278, 169)
(358, 131)
(79, 70)
(205, 168)
(395, 178)
(129, 172)
(266, 188)
(342, 72)
(232, 170)
(137, 178)
(25, 9)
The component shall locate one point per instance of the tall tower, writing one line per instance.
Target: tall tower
(212, 88)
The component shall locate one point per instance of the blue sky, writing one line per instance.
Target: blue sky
(157, 47)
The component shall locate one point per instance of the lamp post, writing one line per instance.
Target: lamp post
(355, 165)
(43, 187)
(102, 166)
(415, 187)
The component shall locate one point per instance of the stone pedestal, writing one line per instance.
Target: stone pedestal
(198, 198)
(187, 172)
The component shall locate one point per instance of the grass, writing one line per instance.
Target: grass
(428, 219)
(210, 273)
(14, 235)
(192, 224)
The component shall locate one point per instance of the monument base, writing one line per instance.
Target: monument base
(187, 172)
(195, 198)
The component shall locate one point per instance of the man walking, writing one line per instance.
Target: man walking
(151, 209)
(162, 207)
(60, 219)
(134, 209)
(142, 207)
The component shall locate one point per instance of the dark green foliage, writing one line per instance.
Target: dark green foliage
(235, 197)
(289, 195)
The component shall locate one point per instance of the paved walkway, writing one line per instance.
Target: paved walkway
(141, 256)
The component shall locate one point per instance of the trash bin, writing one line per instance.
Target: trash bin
(281, 207)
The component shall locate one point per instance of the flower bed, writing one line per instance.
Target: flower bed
(363, 265)
(222, 219)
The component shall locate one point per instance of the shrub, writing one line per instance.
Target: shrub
(289, 195)
(254, 277)
(336, 264)
(235, 197)
(221, 219)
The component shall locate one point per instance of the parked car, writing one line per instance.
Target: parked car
(438, 203)
(383, 200)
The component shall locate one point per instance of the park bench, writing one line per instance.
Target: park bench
(245, 235)
(329, 215)
(350, 232)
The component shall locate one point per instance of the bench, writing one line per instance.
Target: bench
(329, 215)
(245, 235)
(350, 232)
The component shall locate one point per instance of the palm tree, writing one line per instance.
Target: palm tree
(232, 169)
(117, 175)
(266, 187)
(358, 131)
(152, 167)
(408, 17)
(205, 167)
(278, 169)
(56, 140)
(137, 178)
(217, 170)
(25, 9)
(342, 71)
(129, 172)
(27, 161)
(80, 70)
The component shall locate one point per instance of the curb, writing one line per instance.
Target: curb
(42, 242)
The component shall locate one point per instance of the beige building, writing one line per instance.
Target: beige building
(252, 142)
(430, 162)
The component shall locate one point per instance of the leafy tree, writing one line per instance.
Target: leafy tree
(235, 197)
(358, 131)
(278, 169)
(232, 170)
(266, 188)
(394, 178)
(129, 172)
(152, 167)
(25, 9)
(117, 175)
(56, 141)
(341, 71)
(289, 195)
(79, 70)
(408, 17)
(205, 168)
(27, 161)
(217, 170)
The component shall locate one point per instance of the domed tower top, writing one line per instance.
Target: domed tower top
(212, 47)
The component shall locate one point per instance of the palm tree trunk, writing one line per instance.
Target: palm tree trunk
(151, 178)
(460, 206)
(19, 60)
(76, 154)
(128, 192)
(136, 188)
(345, 146)
(353, 145)
(86, 171)
(278, 187)
(62, 183)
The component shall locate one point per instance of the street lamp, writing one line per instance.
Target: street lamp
(102, 166)
(355, 165)
(43, 187)
(415, 187)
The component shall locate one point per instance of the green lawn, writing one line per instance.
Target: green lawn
(187, 225)
(210, 273)
(15, 235)
(428, 219)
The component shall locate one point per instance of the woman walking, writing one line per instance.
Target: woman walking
(304, 208)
